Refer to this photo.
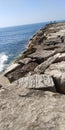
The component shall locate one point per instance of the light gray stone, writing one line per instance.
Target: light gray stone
(57, 71)
(36, 81)
(42, 54)
(43, 66)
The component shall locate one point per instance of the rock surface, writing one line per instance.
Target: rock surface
(32, 101)
(36, 81)
(43, 66)
(57, 71)
(30, 109)
(12, 67)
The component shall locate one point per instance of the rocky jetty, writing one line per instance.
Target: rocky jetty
(45, 54)
(35, 97)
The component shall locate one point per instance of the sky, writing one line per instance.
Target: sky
(20, 12)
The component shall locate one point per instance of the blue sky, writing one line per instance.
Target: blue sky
(19, 12)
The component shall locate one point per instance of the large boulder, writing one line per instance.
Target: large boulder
(43, 66)
(42, 54)
(60, 67)
(12, 67)
(36, 81)
(57, 71)
(21, 72)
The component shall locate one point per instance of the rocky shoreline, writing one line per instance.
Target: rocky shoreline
(45, 55)
(35, 97)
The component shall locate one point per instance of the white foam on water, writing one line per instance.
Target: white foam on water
(3, 61)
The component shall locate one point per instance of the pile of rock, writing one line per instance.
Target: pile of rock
(45, 55)
(31, 101)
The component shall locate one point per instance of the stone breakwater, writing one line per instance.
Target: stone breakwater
(45, 55)
(35, 97)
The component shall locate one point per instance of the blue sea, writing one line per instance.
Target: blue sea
(13, 41)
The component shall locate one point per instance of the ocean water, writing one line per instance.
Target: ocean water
(13, 41)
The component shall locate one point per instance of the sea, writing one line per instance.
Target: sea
(13, 41)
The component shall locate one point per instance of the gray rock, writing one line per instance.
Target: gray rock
(57, 71)
(29, 109)
(40, 33)
(42, 54)
(21, 72)
(61, 57)
(57, 67)
(36, 109)
(29, 67)
(36, 81)
(25, 61)
(12, 67)
(43, 66)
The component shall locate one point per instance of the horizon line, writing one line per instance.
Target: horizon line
(49, 21)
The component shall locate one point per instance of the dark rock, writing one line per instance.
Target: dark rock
(41, 39)
(21, 72)
(62, 39)
(12, 67)
(0, 86)
(28, 52)
(29, 67)
(24, 61)
(40, 33)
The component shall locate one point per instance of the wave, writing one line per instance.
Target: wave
(3, 61)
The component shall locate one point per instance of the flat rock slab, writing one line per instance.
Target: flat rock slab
(60, 66)
(43, 66)
(12, 67)
(42, 54)
(36, 81)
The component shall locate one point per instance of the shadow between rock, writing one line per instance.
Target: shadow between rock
(38, 92)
